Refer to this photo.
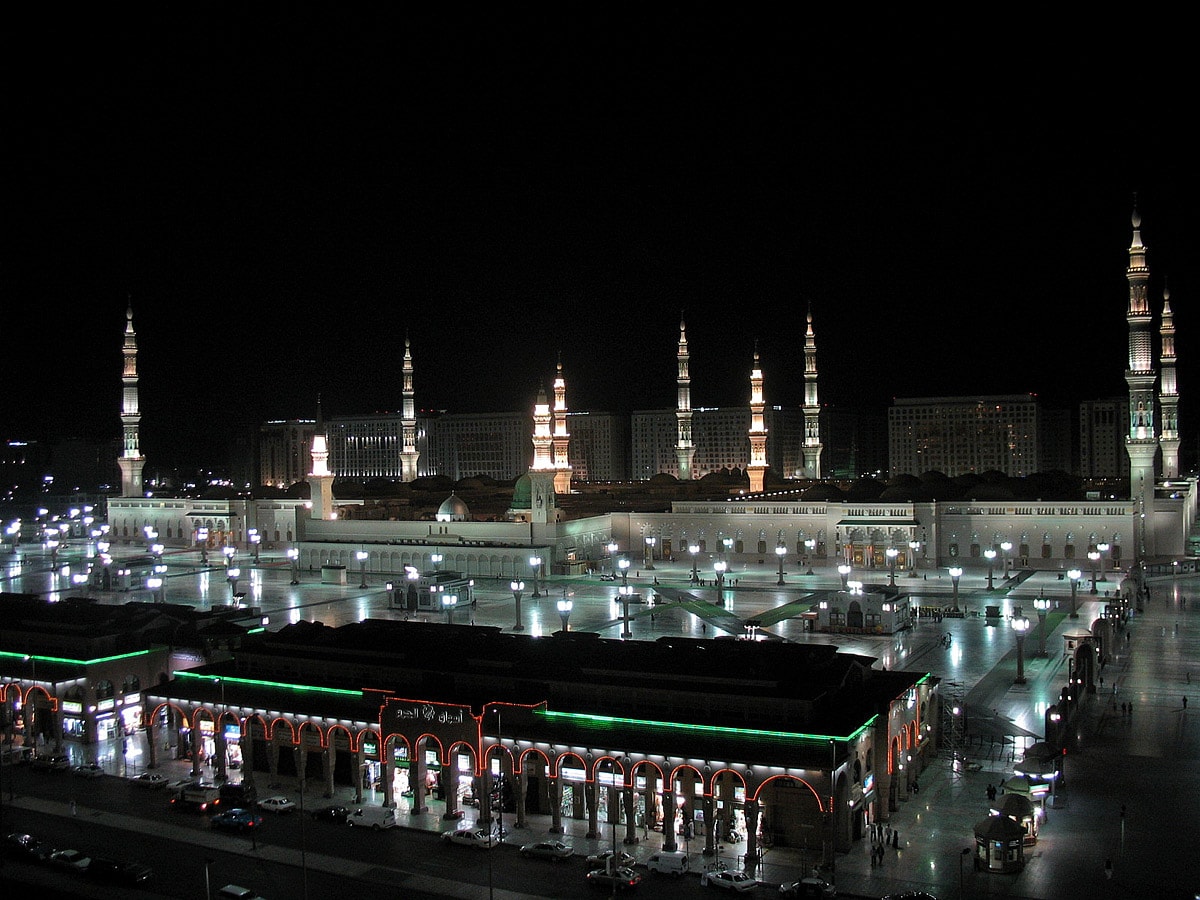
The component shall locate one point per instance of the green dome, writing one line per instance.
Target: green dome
(523, 493)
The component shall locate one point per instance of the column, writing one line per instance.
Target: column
(273, 760)
(387, 774)
(556, 826)
(300, 756)
(669, 810)
(450, 793)
(416, 780)
(220, 751)
(248, 756)
(197, 747)
(648, 794)
(518, 783)
(751, 835)
(151, 745)
(592, 796)
(327, 768)
(709, 821)
(360, 762)
(629, 799)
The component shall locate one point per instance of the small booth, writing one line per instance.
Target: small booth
(999, 845)
(1019, 808)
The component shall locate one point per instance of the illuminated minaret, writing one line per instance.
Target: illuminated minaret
(812, 409)
(562, 438)
(408, 421)
(1140, 443)
(758, 430)
(131, 460)
(685, 453)
(320, 479)
(541, 473)
(1168, 392)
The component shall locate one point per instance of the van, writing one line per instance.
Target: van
(237, 892)
(372, 817)
(667, 862)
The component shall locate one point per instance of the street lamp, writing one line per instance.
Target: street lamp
(991, 558)
(234, 574)
(719, 567)
(781, 552)
(294, 555)
(517, 586)
(1006, 546)
(1074, 574)
(535, 563)
(1042, 605)
(436, 559)
(728, 544)
(229, 554)
(623, 565)
(844, 571)
(955, 574)
(612, 548)
(650, 552)
(1094, 556)
(891, 553)
(1020, 627)
(255, 540)
(361, 556)
(626, 593)
(913, 547)
(811, 546)
(565, 605)
(1103, 547)
(449, 601)
(694, 549)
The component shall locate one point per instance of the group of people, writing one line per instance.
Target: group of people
(882, 837)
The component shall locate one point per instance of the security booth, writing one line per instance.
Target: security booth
(1021, 810)
(429, 588)
(999, 845)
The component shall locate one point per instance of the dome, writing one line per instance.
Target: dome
(453, 509)
(523, 493)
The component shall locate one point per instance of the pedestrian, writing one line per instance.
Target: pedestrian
(895, 840)
(1189, 677)
(1101, 681)
(1108, 868)
(74, 809)
(1185, 702)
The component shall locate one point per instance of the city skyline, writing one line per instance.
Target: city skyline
(283, 205)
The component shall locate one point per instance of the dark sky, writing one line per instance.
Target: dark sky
(286, 196)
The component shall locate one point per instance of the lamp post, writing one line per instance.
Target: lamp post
(844, 571)
(1042, 605)
(234, 574)
(955, 574)
(1103, 547)
(229, 553)
(990, 554)
(719, 568)
(1074, 574)
(650, 552)
(781, 552)
(1005, 547)
(1094, 556)
(436, 559)
(255, 540)
(891, 553)
(517, 586)
(612, 556)
(449, 601)
(294, 555)
(361, 556)
(626, 593)
(962, 857)
(913, 548)
(811, 546)
(1020, 627)
(623, 565)
(565, 605)
(535, 564)
(727, 543)
(694, 549)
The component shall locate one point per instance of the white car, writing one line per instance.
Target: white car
(149, 780)
(731, 881)
(471, 837)
(600, 860)
(276, 804)
(70, 859)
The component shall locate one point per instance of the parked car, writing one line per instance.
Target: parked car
(472, 837)
(58, 762)
(555, 850)
(115, 871)
(276, 804)
(22, 845)
(601, 860)
(237, 820)
(335, 814)
(151, 780)
(622, 878)
(808, 887)
(666, 862)
(910, 895)
(88, 770)
(730, 880)
(375, 817)
(72, 860)
(237, 892)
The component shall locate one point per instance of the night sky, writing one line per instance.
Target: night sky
(286, 196)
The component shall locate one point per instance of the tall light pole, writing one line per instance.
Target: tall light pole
(1042, 605)
(612, 549)
(1094, 556)
(1103, 547)
(811, 546)
(650, 552)
(517, 586)
(565, 605)
(436, 559)
(294, 555)
(1006, 546)
(781, 552)
(255, 540)
(694, 549)
(955, 574)
(626, 593)
(361, 556)
(1020, 627)
(990, 554)
(623, 565)
(913, 547)
(449, 601)
(535, 564)
(719, 569)
(962, 857)
(891, 553)
(1074, 574)
(844, 571)
(234, 574)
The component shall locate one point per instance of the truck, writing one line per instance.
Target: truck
(201, 796)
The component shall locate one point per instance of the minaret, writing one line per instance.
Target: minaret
(812, 409)
(685, 453)
(320, 479)
(758, 430)
(131, 460)
(1140, 442)
(562, 438)
(408, 421)
(1168, 392)
(541, 473)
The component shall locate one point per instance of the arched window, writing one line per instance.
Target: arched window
(104, 690)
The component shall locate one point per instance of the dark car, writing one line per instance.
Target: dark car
(335, 814)
(58, 762)
(237, 820)
(808, 887)
(26, 846)
(622, 879)
(910, 895)
(115, 871)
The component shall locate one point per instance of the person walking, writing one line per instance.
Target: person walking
(1185, 702)
(1108, 869)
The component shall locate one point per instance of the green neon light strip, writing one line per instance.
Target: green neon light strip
(745, 732)
(74, 662)
(304, 688)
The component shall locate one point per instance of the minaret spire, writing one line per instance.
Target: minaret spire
(1140, 443)
(131, 460)
(685, 453)
(562, 438)
(758, 429)
(542, 507)
(1168, 391)
(408, 421)
(812, 409)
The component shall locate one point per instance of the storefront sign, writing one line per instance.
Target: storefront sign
(72, 706)
(132, 698)
(106, 704)
(370, 748)
(431, 714)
